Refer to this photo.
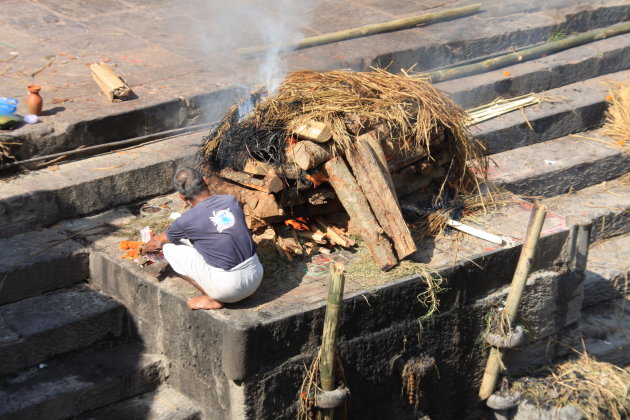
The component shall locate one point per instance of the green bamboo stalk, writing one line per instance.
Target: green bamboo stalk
(329, 336)
(528, 54)
(376, 28)
(495, 359)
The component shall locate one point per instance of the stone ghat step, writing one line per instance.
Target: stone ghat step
(67, 388)
(78, 188)
(570, 109)
(497, 27)
(560, 165)
(546, 73)
(607, 270)
(162, 404)
(605, 329)
(28, 268)
(606, 206)
(38, 328)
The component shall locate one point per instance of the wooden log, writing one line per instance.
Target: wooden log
(523, 266)
(372, 138)
(375, 28)
(282, 250)
(314, 131)
(332, 234)
(270, 184)
(357, 207)
(256, 167)
(112, 86)
(409, 180)
(405, 158)
(256, 204)
(371, 178)
(308, 155)
(329, 335)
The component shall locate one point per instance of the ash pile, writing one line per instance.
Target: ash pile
(342, 146)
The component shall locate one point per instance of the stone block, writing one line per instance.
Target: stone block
(31, 265)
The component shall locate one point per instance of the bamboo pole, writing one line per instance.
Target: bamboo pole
(528, 54)
(329, 336)
(495, 359)
(376, 28)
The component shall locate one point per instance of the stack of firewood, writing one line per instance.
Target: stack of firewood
(321, 164)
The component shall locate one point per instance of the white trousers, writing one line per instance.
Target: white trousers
(227, 286)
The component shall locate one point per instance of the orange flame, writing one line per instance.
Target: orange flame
(300, 223)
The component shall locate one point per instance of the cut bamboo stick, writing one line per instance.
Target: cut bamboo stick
(477, 233)
(377, 28)
(329, 335)
(495, 359)
(528, 54)
(109, 82)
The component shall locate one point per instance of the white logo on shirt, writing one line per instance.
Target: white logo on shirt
(222, 219)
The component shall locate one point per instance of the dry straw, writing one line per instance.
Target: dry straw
(600, 390)
(414, 111)
(618, 114)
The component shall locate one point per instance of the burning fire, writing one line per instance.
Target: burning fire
(301, 223)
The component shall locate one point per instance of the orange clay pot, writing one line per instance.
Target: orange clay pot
(34, 102)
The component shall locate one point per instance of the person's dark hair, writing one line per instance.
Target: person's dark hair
(188, 182)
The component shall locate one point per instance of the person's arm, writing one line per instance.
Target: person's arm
(154, 244)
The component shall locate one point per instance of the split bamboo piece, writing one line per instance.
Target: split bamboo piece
(314, 130)
(329, 335)
(477, 233)
(109, 82)
(495, 359)
(362, 31)
(500, 106)
(528, 54)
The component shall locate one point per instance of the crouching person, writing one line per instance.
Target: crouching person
(210, 245)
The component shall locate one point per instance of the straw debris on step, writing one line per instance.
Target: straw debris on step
(617, 124)
(599, 390)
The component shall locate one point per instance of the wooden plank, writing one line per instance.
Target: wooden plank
(109, 82)
(270, 184)
(382, 198)
(357, 207)
(313, 130)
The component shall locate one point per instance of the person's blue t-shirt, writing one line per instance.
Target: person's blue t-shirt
(216, 227)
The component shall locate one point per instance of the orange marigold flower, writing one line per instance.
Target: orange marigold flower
(507, 73)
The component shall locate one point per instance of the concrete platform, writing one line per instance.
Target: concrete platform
(41, 327)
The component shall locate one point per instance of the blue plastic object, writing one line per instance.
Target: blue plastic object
(8, 106)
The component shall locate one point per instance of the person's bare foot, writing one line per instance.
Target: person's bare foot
(204, 302)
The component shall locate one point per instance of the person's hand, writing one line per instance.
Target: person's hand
(150, 247)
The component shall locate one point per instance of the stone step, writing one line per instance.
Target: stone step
(38, 328)
(605, 329)
(67, 388)
(162, 404)
(606, 206)
(558, 166)
(607, 270)
(197, 94)
(565, 67)
(571, 109)
(27, 268)
(43, 197)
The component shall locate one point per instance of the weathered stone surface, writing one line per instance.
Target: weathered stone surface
(604, 329)
(49, 325)
(557, 166)
(51, 269)
(69, 387)
(608, 269)
(605, 206)
(162, 404)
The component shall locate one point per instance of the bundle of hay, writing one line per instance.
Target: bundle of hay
(617, 124)
(375, 137)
